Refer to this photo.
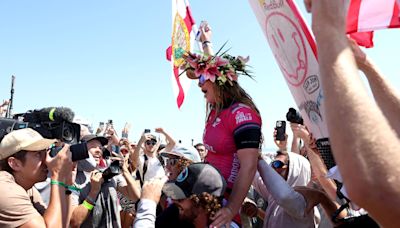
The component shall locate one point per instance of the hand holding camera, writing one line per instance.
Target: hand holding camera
(300, 131)
(61, 165)
(96, 180)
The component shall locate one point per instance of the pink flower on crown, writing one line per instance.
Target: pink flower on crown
(193, 60)
(202, 65)
(213, 70)
(231, 74)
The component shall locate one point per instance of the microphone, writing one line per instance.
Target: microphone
(56, 114)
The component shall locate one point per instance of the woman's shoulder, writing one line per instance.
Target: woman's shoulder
(241, 107)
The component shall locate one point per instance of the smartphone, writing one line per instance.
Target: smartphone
(110, 122)
(280, 130)
(146, 131)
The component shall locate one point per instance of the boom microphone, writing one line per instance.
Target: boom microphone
(50, 114)
(56, 114)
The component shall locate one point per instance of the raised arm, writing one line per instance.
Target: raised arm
(136, 152)
(386, 95)
(60, 168)
(82, 211)
(132, 189)
(369, 144)
(170, 141)
(318, 167)
(285, 196)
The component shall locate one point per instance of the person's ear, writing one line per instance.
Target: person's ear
(14, 163)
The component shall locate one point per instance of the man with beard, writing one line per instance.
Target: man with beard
(197, 193)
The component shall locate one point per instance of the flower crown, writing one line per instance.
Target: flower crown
(218, 68)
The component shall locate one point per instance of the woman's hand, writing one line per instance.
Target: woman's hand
(205, 32)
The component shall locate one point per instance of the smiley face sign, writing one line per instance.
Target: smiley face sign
(288, 47)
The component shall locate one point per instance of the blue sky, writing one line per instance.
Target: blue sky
(106, 60)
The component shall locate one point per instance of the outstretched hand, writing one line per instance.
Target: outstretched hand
(152, 189)
(223, 217)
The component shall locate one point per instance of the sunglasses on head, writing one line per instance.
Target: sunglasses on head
(277, 164)
(151, 142)
(202, 80)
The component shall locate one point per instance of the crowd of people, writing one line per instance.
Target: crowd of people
(225, 180)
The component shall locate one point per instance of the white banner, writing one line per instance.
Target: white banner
(295, 52)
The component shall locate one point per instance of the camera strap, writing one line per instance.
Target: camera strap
(342, 207)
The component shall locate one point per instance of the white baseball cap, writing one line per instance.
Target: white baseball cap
(23, 139)
(188, 152)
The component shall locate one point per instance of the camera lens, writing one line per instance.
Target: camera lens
(68, 133)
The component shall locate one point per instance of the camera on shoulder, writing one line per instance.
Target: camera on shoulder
(51, 123)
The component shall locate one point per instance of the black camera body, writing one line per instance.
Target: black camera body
(113, 170)
(293, 116)
(51, 123)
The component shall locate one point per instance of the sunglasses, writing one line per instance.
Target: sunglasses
(202, 80)
(151, 142)
(277, 164)
(170, 161)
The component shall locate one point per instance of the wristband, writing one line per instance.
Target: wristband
(69, 187)
(87, 205)
(54, 182)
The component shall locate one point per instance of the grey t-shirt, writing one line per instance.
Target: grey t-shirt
(106, 209)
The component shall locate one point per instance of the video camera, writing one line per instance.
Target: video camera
(51, 123)
(293, 116)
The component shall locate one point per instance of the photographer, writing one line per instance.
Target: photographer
(24, 161)
(96, 205)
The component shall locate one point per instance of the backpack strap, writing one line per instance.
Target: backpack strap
(138, 176)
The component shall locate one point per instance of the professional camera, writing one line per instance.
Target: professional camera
(293, 116)
(51, 123)
(112, 170)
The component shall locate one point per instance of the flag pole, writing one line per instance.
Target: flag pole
(9, 108)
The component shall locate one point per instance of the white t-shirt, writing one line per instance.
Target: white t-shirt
(154, 168)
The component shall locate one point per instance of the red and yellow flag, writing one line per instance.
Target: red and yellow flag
(182, 40)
